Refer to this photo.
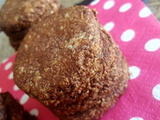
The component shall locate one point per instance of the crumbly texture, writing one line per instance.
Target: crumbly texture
(10, 109)
(71, 65)
(16, 16)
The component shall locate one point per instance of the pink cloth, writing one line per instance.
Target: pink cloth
(137, 32)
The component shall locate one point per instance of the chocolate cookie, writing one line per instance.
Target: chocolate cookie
(10, 109)
(16, 16)
(71, 65)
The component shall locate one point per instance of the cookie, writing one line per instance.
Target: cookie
(16, 16)
(10, 109)
(71, 65)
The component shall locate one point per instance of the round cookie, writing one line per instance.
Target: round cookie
(16, 16)
(71, 65)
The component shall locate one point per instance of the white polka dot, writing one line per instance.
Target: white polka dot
(145, 12)
(34, 112)
(109, 4)
(125, 7)
(15, 88)
(152, 45)
(5, 60)
(0, 90)
(8, 66)
(156, 92)
(127, 35)
(94, 2)
(10, 76)
(136, 118)
(109, 26)
(135, 71)
(24, 99)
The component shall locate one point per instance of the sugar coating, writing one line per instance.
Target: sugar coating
(71, 65)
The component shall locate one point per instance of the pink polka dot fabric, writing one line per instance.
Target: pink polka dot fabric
(137, 33)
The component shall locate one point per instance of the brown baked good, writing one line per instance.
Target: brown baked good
(16, 16)
(10, 109)
(71, 65)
